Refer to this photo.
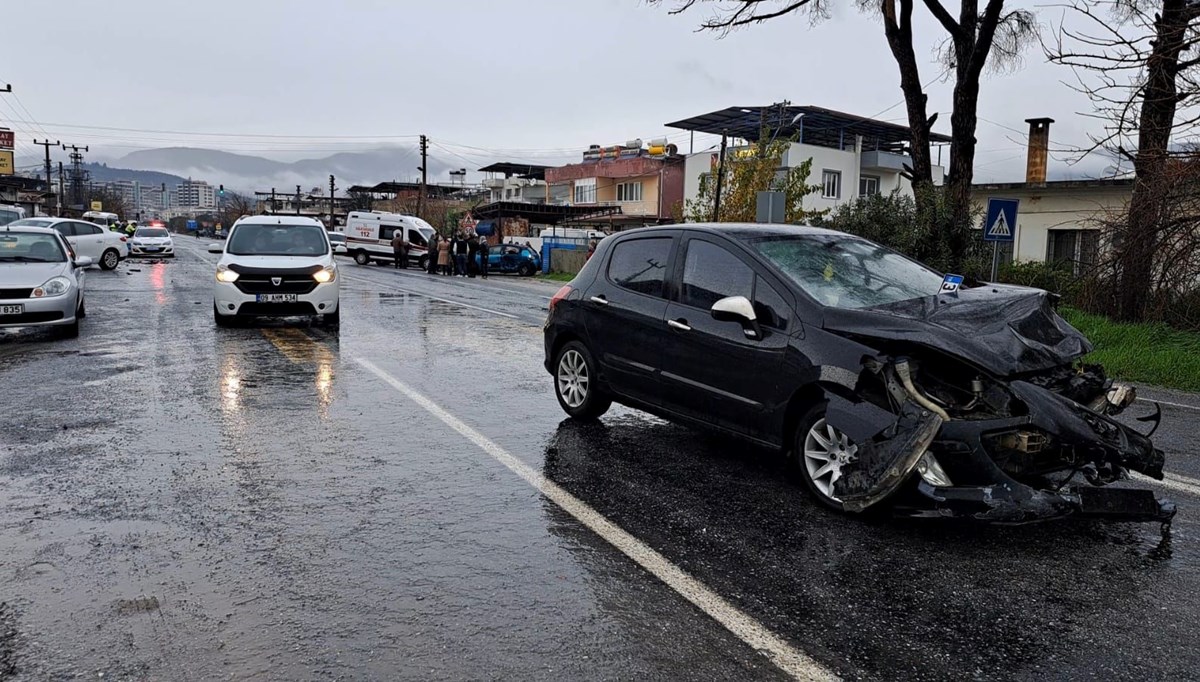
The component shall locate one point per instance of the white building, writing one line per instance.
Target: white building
(1057, 220)
(194, 194)
(521, 182)
(851, 156)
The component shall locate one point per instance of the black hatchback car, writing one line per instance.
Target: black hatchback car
(881, 378)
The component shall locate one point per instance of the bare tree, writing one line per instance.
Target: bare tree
(235, 205)
(1136, 61)
(992, 37)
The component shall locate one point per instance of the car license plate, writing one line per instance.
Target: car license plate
(152, 248)
(277, 298)
(12, 309)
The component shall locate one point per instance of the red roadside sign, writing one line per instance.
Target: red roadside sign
(7, 139)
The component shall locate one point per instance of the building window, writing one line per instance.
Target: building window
(629, 191)
(585, 191)
(1076, 249)
(831, 184)
(868, 186)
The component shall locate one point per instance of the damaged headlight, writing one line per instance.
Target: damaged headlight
(932, 472)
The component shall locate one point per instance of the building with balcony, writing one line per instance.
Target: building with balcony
(646, 184)
(852, 156)
(521, 182)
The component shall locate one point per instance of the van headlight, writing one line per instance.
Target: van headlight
(224, 274)
(55, 286)
(326, 274)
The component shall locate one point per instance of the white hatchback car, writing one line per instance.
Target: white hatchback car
(152, 241)
(276, 266)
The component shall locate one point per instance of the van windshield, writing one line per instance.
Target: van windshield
(8, 215)
(278, 240)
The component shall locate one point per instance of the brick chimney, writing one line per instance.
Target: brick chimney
(1039, 150)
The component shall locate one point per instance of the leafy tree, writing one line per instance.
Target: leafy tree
(977, 38)
(748, 171)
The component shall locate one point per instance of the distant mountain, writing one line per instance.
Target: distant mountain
(253, 173)
(105, 173)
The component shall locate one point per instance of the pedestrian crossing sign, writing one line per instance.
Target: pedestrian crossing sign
(1000, 225)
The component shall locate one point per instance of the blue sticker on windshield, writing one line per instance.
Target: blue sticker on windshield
(951, 283)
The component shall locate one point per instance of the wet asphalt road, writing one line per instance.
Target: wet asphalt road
(182, 502)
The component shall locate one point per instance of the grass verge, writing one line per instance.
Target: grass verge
(1149, 353)
(557, 277)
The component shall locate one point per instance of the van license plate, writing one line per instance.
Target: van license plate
(277, 298)
(12, 309)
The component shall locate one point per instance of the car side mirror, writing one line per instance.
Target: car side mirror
(83, 261)
(738, 309)
(216, 248)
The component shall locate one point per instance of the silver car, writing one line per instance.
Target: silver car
(41, 280)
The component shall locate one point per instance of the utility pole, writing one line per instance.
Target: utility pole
(272, 201)
(720, 178)
(47, 144)
(332, 189)
(424, 175)
(58, 208)
(297, 199)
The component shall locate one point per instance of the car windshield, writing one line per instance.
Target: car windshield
(151, 232)
(30, 247)
(847, 272)
(32, 222)
(278, 240)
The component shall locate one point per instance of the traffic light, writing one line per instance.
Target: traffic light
(221, 190)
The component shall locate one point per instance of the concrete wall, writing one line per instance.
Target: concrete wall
(1048, 208)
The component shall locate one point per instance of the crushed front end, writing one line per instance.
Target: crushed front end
(1027, 448)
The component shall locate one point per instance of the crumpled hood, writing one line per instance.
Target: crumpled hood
(1003, 329)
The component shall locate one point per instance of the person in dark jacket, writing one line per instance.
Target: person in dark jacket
(400, 250)
(433, 254)
(483, 257)
(472, 252)
(460, 248)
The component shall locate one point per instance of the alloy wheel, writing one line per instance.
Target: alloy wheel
(573, 378)
(826, 451)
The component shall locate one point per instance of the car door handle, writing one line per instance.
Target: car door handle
(599, 300)
(680, 324)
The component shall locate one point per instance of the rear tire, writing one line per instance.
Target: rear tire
(361, 257)
(819, 450)
(575, 383)
(110, 259)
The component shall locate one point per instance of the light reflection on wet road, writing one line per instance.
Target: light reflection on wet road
(182, 502)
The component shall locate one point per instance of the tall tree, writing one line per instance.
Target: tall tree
(1137, 60)
(970, 42)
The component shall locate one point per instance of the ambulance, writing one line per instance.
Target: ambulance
(369, 237)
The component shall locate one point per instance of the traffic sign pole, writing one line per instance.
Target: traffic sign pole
(995, 260)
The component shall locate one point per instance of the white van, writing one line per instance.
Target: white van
(369, 237)
(102, 218)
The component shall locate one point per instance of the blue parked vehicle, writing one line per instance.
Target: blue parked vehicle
(512, 258)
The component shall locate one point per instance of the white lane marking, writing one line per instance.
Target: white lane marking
(364, 280)
(1167, 402)
(745, 628)
(1180, 484)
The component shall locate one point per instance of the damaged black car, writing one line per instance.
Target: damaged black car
(886, 382)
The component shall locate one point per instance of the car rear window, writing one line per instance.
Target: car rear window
(641, 264)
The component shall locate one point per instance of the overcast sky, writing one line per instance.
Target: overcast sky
(526, 80)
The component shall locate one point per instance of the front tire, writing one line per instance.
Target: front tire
(110, 259)
(575, 383)
(71, 331)
(819, 453)
(361, 257)
(81, 311)
(334, 319)
(525, 270)
(423, 263)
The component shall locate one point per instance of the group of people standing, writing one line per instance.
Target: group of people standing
(453, 256)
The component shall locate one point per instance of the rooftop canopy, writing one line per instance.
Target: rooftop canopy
(541, 214)
(809, 124)
(522, 170)
(398, 187)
